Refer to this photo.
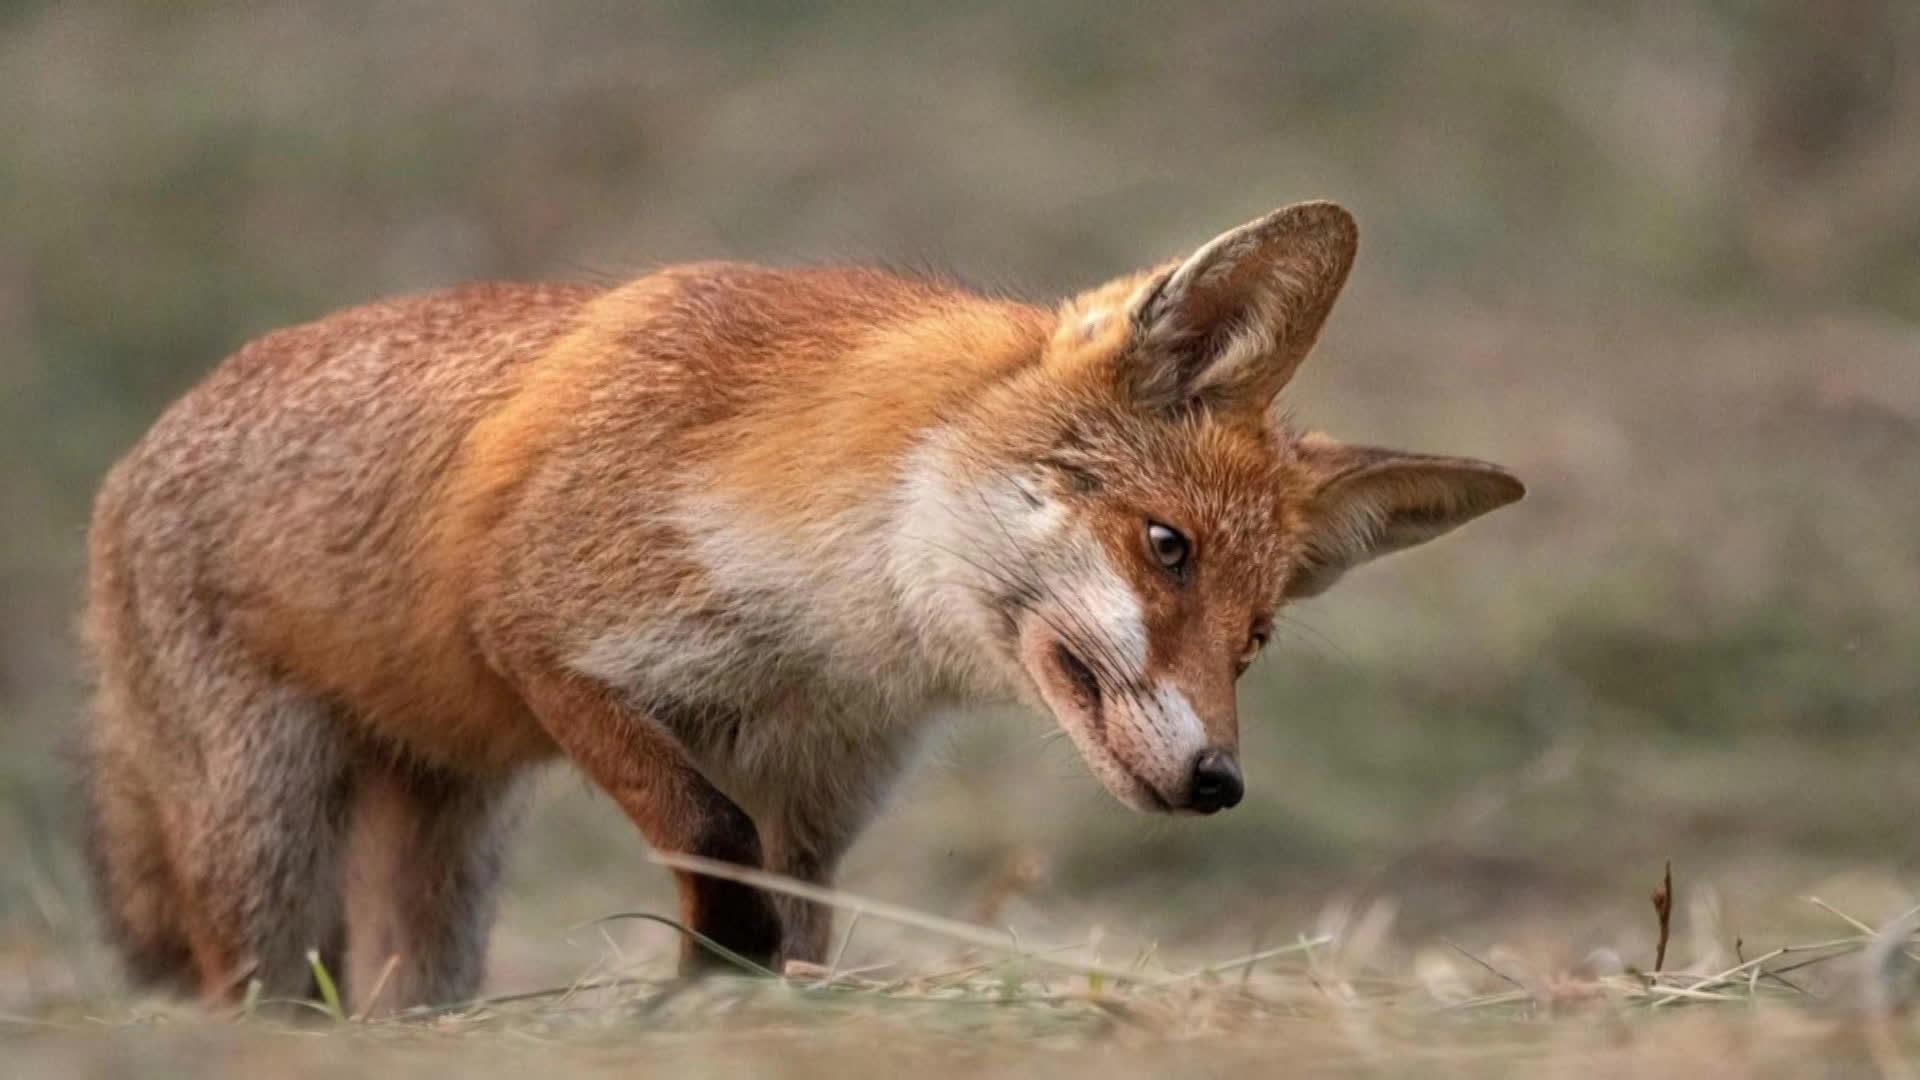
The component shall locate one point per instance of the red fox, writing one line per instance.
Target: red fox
(723, 537)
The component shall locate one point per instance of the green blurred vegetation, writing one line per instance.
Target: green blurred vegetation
(1659, 258)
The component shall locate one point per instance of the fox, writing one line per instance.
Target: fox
(723, 537)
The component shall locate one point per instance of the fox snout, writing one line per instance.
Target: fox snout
(1141, 737)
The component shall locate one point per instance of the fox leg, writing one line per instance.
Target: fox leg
(134, 878)
(649, 775)
(216, 816)
(217, 787)
(810, 831)
(262, 867)
(806, 927)
(424, 856)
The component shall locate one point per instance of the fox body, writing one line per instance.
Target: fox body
(723, 537)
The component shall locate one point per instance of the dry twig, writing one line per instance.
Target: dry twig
(1663, 907)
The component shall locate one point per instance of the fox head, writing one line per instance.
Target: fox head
(1120, 521)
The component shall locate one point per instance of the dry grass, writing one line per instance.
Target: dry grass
(1324, 1001)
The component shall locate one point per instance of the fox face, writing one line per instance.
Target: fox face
(1116, 526)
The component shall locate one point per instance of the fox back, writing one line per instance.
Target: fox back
(723, 537)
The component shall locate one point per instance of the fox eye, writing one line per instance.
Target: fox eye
(1170, 548)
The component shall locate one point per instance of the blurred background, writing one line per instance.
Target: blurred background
(1661, 259)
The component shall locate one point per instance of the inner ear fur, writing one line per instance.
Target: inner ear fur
(1232, 322)
(1370, 501)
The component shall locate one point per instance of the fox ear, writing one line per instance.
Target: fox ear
(1367, 502)
(1232, 323)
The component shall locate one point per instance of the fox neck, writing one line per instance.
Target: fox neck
(943, 550)
(829, 515)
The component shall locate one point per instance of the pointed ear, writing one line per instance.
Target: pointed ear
(1368, 502)
(1232, 323)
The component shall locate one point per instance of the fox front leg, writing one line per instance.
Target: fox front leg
(635, 760)
(807, 833)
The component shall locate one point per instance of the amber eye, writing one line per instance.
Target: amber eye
(1170, 548)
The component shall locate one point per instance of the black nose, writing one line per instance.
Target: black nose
(1216, 781)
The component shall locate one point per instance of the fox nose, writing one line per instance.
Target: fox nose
(1216, 781)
